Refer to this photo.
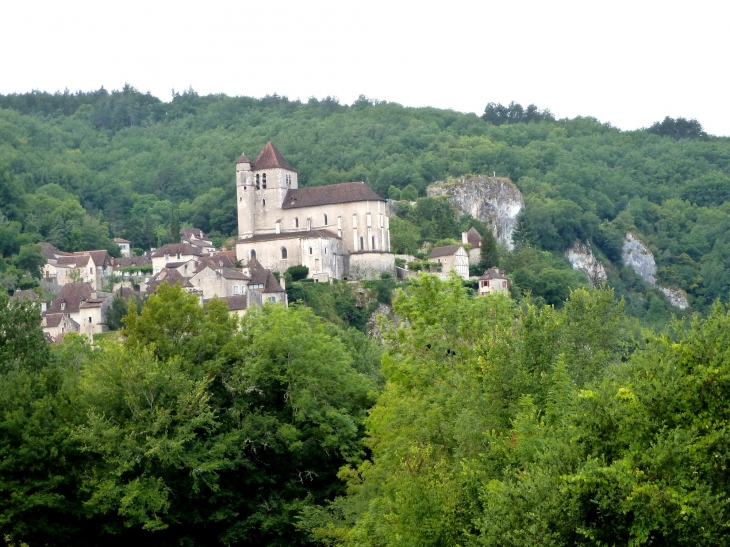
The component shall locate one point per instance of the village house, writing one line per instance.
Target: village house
(82, 305)
(196, 237)
(84, 266)
(211, 281)
(28, 295)
(493, 281)
(472, 238)
(451, 257)
(174, 252)
(125, 247)
(337, 231)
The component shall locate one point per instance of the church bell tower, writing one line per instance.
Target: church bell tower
(245, 198)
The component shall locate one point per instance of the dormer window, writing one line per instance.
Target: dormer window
(178, 256)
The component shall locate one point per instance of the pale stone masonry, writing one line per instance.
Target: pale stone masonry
(325, 228)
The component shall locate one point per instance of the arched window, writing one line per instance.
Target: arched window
(253, 254)
(263, 201)
(362, 243)
(283, 252)
(263, 183)
(325, 220)
(296, 222)
(240, 200)
(258, 183)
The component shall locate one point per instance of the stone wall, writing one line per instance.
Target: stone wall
(369, 265)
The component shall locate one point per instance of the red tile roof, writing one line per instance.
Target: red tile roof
(343, 192)
(72, 294)
(448, 250)
(270, 158)
(473, 237)
(494, 273)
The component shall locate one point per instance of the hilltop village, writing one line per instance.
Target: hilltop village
(336, 232)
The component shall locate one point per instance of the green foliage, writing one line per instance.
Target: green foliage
(404, 236)
(409, 193)
(297, 273)
(681, 128)
(497, 114)
(488, 254)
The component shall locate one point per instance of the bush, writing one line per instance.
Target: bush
(298, 273)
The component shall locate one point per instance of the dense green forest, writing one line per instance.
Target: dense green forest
(477, 421)
(78, 169)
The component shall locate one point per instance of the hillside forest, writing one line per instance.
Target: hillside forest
(562, 415)
(77, 169)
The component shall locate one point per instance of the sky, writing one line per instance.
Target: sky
(629, 63)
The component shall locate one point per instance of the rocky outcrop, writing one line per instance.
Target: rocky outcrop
(638, 256)
(581, 257)
(494, 200)
(677, 297)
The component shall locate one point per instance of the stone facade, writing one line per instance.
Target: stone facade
(274, 215)
(452, 257)
(494, 281)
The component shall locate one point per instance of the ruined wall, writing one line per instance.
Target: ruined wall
(494, 200)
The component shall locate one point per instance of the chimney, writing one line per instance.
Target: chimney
(464, 238)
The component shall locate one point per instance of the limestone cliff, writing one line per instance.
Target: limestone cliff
(581, 257)
(494, 200)
(638, 256)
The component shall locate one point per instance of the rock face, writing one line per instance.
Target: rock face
(677, 297)
(494, 200)
(581, 257)
(638, 256)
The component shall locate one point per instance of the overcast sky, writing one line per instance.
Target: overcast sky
(629, 63)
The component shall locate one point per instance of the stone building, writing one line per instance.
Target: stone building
(86, 266)
(174, 252)
(125, 246)
(451, 257)
(473, 238)
(492, 281)
(82, 306)
(337, 231)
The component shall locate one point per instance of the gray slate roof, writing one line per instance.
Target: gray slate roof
(448, 250)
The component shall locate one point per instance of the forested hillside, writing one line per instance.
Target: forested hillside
(79, 169)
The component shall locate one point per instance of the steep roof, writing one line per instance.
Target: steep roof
(448, 250)
(344, 192)
(51, 252)
(232, 273)
(72, 294)
(73, 261)
(192, 232)
(120, 240)
(174, 248)
(171, 276)
(494, 273)
(265, 278)
(242, 158)
(270, 158)
(473, 237)
(100, 257)
(303, 234)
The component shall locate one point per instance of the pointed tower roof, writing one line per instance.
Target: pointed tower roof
(242, 158)
(270, 158)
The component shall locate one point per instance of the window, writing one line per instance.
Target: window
(91, 270)
(325, 250)
(310, 250)
(253, 254)
(263, 201)
(373, 245)
(283, 253)
(258, 182)
(272, 299)
(240, 199)
(89, 320)
(236, 289)
(296, 222)
(167, 257)
(178, 256)
(325, 220)
(263, 179)
(362, 243)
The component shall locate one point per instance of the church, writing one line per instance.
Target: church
(338, 231)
